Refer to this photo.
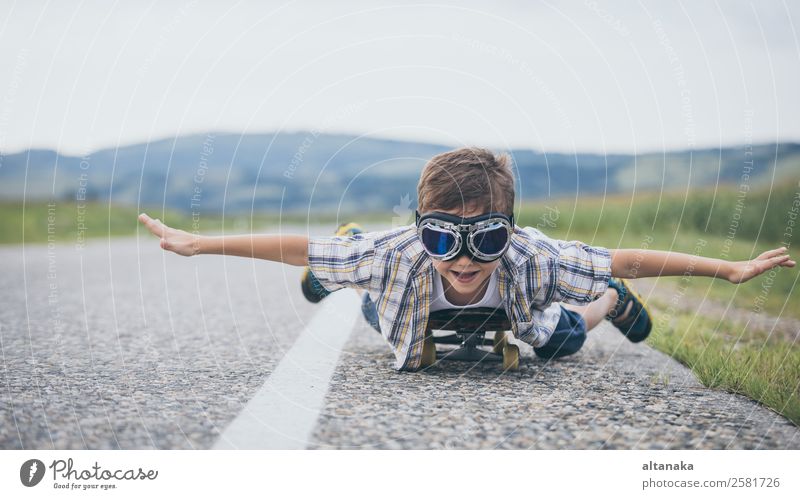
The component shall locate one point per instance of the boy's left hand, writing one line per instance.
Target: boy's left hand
(744, 271)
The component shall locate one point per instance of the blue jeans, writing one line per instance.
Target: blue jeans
(568, 337)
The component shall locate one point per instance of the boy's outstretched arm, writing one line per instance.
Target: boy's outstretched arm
(289, 248)
(633, 263)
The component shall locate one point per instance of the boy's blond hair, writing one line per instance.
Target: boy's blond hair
(467, 178)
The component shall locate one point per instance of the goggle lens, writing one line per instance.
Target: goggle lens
(438, 242)
(491, 241)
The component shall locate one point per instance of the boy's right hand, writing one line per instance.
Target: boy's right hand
(175, 240)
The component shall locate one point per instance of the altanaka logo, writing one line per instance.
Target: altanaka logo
(31, 472)
(681, 466)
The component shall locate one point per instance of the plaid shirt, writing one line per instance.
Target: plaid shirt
(534, 274)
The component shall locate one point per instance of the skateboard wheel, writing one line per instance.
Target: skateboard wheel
(428, 352)
(500, 341)
(510, 357)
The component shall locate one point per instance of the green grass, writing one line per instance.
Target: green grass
(618, 222)
(62, 221)
(758, 215)
(726, 356)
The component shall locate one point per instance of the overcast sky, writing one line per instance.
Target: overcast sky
(590, 75)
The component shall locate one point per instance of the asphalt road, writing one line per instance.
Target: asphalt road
(121, 345)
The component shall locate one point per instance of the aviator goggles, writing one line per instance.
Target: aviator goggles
(484, 238)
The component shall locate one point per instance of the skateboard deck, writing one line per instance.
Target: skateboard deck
(469, 327)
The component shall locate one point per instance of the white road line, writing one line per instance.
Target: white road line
(284, 411)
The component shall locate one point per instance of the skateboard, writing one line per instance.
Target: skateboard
(469, 326)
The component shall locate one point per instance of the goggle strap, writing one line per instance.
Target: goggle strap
(418, 216)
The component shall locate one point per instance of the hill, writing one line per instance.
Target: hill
(295, 172)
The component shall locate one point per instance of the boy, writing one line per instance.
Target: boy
(465, 250)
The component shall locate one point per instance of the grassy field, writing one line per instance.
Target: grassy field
(66, 221)
(679, 223)
(726, 213)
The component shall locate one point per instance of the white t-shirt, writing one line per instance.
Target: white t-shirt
(491, 297)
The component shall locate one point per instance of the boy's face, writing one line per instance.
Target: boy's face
(464, 274)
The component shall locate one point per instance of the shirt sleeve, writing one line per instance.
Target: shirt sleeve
(582, 272)
(545, 320)
(342, 261)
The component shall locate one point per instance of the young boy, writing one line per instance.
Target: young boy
(464, 250)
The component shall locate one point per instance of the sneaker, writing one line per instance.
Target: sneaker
(637, 325)
(312, 289)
